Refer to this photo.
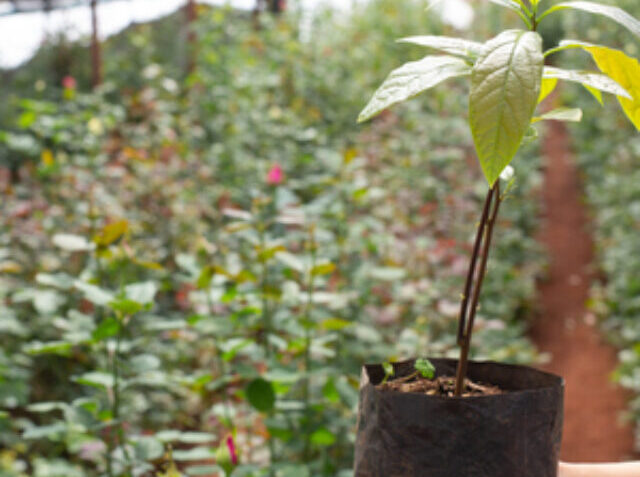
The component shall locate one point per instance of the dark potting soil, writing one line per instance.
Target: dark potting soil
(440, 386)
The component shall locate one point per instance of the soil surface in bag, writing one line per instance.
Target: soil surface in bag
(441, 386)
(513, 434)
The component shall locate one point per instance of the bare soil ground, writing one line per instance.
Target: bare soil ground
(565, 329)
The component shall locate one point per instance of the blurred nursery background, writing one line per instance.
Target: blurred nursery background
(199, 247)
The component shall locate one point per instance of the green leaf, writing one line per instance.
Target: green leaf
(622, 69)
(61, 348)
(62, 281)
(43, 407)
(94, 294)
(412, 79)
(106, 329)
(205, 277)
(505, 87)
(323, 437)
(530, 136)
(335, 324)
(72, 243)
(148, 448)
(111, 233)
(596, 93)
(52, 431)
(290, 261)
(547, 87)
(388, 369)
(614, 13)
(197, 438)
(425, 368)
(323, 269)
(261, 395)
(587, 78)
(561, 114)
(126, 306)
(196, 453)
(142, 292)
(446, 44)
(96, 379)
(388, 273)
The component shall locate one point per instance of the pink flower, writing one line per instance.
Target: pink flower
(69, 82)
(275, 175)
(232, 450)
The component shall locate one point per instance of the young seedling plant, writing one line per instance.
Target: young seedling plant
(509, 80)
(422, 367)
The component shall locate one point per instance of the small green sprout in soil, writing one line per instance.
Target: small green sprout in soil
(425, 368)
(388, 371)
(423, 380)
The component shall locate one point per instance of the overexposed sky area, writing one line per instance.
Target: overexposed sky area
(22, 34)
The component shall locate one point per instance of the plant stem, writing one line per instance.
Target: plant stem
(472, 268)
(264, 282)
(115, 406)
(307, 344)
(474, 282)
(266, 322)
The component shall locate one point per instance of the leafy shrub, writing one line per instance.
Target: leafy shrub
(204, 266)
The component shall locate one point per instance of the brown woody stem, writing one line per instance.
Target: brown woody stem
(473, 285)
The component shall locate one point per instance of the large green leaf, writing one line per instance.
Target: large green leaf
(411, 79)
(261, 395)
(614, 13)
(505, 87)
(587, 78)
(447, 44)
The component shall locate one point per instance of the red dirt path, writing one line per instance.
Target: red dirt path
(565, 329)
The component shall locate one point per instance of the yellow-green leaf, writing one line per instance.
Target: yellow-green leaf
(561, 114)
(547, 87)
(623, 69)
(323, 269)
(626, 71)
(111, 233)
(596, 93)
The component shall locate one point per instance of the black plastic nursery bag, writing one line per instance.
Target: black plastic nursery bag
(515, 434)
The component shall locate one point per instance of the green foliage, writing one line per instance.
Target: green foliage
(389, 371)
(614, 13)
(507, 73)
(508, 81)
(607, 151)
(505, 86)
(260, 395)
(154, 279)
(425, 368)
(412, 79)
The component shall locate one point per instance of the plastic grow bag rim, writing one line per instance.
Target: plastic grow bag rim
(559, 380)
